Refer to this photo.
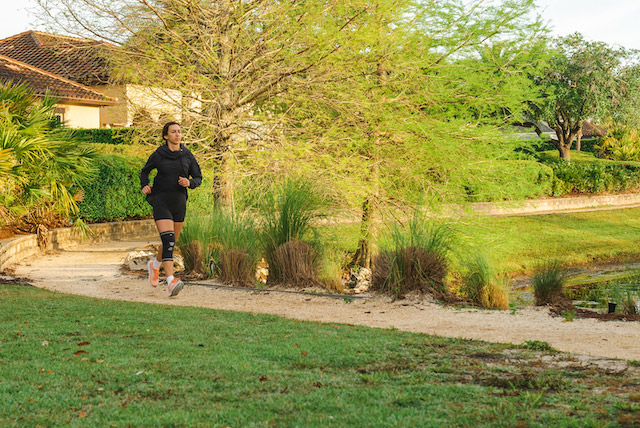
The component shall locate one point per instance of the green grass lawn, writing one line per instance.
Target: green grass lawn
(517, 244)
(73, 361)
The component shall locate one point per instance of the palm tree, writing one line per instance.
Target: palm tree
(41, 166)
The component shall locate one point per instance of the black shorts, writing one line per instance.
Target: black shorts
(170, 206)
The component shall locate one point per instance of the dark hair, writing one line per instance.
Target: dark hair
(165, 129)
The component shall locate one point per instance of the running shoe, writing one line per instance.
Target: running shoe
(154, 274)
(175, 287)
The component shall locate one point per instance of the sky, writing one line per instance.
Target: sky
(610, 21)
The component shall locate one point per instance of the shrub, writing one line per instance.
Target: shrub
(403, 270)
(114, 193)
(483, 286)
(549, 280)
(622, 144)
(117, 135)
(287, 212)
(414, 260)
(192, 255)
(228, 243)
(593, 177)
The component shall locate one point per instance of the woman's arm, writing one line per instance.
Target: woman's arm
(195, 173)
(146, 169)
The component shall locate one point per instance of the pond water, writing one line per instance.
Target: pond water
(590, 287)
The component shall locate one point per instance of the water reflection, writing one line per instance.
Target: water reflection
(590, 287)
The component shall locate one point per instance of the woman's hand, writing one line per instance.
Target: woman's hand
(146, 189)
(184, 182)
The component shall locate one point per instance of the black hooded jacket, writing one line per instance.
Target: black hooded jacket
(171, 165)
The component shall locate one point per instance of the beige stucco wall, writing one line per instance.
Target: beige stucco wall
(81, 116)
(156, 102)
(117, 115)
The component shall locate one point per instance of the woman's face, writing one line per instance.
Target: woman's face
(174, 135)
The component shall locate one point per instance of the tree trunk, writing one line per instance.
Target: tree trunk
(578, 139)
(564, 152)
(565, 139)
(363, 254)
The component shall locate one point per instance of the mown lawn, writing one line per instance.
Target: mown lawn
(517, 244)
(72, 361)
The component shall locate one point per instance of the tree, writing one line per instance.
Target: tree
(380, 100)
(407, 117)
(226, 57)
(584, 80)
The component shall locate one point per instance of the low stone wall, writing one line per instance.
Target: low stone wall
(15, 250)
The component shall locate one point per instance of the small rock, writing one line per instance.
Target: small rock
(137, 260)
(360, 280)
(262, 271)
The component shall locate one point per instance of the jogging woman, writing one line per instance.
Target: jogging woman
(168, 196)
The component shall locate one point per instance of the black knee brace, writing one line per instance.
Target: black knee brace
(168, 241)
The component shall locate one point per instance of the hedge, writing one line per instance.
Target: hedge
(115, 135)
(594, 177)
(114, 194)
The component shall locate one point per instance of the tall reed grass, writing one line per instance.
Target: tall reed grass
(415, 258)
(549, 280)
(483, 285)
(287, 211)
(222, 244)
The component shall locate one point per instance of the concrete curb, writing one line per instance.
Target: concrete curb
(15, 250)
(550, 205)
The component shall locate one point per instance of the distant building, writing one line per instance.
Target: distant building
(85, 62)
(78, 105)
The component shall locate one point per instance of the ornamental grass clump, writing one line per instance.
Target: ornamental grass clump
(482, 285)
(291, 248)
(228, 244)
(549, 280)
(414, 260)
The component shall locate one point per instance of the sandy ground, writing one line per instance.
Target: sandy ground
(95, 270)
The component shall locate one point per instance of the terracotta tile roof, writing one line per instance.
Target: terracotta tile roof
(80, 60)
(40, 81)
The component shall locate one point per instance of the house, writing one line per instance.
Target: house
(78, 106)
(85, 62)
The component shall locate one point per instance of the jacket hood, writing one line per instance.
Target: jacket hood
(165, 152)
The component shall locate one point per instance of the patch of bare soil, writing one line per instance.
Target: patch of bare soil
(95, 270)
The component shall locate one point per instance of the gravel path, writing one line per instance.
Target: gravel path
(94, 270)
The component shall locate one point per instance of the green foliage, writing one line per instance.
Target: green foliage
(568, 315)
(483, 285)
(593, 177)
(586, 80)
(549, 280)
(538, 345)
(41, 166)
(621, 144)
(114, 193)
(507, 180)
(116, 135)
